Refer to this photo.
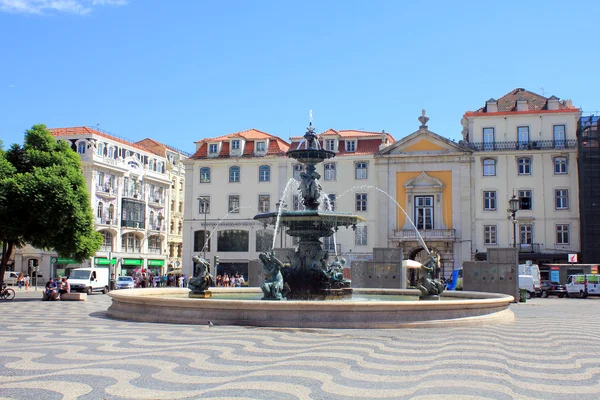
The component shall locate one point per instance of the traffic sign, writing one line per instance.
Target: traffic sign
(572, 258)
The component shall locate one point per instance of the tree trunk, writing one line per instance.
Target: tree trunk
(7, 248)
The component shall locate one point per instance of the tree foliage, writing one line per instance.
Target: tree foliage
(44, 200)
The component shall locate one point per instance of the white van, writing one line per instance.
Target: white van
(532, 270)
(10, 277)
(89, 280)
(583, 285)
(527, 282)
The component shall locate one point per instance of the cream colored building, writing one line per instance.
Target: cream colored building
(129, 189)
(429, 180)
(525, 144)
(237, 176)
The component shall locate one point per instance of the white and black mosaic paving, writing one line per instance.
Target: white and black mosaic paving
(71, 350)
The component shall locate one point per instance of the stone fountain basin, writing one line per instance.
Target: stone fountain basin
(169, 305)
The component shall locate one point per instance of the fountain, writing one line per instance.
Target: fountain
(309, 274)
(294, 290)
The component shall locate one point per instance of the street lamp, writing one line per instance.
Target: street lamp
(513, 207)
(204, 203)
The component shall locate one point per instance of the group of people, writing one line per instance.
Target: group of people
(23, 280)
(55, 288)
(145, 280)
(236, 280)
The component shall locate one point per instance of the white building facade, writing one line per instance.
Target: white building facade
(129, 190)
(525, 145)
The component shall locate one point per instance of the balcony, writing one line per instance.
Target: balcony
(156, 201)
(523, 146)
(134, 194)
(426, 234)
(132, 224)
(153, 250)
(156, 226)
(106, 248)
(107, 221)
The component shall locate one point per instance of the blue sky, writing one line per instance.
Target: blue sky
(179, 71)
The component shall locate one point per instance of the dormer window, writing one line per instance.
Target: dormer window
(350, 145)
(260, 146)
(330, 144)
(213, 148)
(235, 144)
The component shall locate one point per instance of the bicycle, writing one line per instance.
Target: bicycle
(7, 293)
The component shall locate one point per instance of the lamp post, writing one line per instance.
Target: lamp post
(513, 207)
(205, 209)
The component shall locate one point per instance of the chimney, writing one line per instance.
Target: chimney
(553, 103)
(522, 104)
(384, 140)
(491, 106)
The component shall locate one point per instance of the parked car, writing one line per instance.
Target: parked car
(10, 277)
(551, 288)
(125, 282)
(526, 282)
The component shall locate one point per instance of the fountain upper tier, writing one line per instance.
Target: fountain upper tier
(312, 223)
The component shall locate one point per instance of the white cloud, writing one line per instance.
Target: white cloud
(80, 7)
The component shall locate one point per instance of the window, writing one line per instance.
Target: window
(81, 147)
(100, 209)
(264, 240)
(489, 200)
(199, 240)
(560, 165)
(296, 203)
(160, 167)
(488, 139)
(562, 234)
(489, 167)
(559, 136)
(111, 212)
(260, 146)
(361, 170)
(130, 243)
(100, 182)
(561, 197)
(232, 240)
(234, 204)
(179, 229)
(360, 235)
(329, 172)
(234, 174)
(329, 243)
(172, 229)
(180, 185)
(331, 201)
(111, 152)
(330, 144)
(361, 202)
(298, 169)
(204, 175)
(523, 136)
(213, 148)
(424, 212)
(489, 232)
(154, 244)
(100, 149)
(264, 173)
(524, 166)
(151, 165)
(204, 204)
(526, 234)
(525, 200)
(107, 241)
(350, 145)
(264, 203)
(181, 206)
(235, 144)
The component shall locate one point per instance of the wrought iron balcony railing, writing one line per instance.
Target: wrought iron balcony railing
(426, 234)
(523, 145)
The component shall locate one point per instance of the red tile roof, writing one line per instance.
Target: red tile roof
(366, 143)
(84, 130)
(349, 134)
(535, 103)
(277, 146)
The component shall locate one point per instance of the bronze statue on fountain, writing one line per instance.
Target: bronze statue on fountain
(309, 274)
(202, 280)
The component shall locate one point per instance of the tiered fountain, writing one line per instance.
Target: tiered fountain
(312, 273)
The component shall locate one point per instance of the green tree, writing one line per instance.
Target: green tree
(44, 200)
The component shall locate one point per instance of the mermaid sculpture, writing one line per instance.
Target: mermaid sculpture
(273, 287)
(202, 279)
(429, 286)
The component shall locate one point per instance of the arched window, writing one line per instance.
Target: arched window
(205, 175)
(524, 166)
(179, 228)
(161, 167)
(329, 172)
(234, 174)
(100, 209)
(111, 211)
(489, 167)
(361, 170)
(151, 165)
(560, 165)
(172, 230)
(100, 149)
(111, 152)
(151, 220)
(264, 173)
(81, 147)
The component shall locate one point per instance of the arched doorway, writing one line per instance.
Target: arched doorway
(418, 254)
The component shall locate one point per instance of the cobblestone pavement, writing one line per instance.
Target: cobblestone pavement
(52, 350)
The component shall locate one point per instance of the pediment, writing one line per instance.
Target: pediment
(424, 181)
(423, 142)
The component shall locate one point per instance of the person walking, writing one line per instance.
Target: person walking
(20, 280)
(26, 280)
